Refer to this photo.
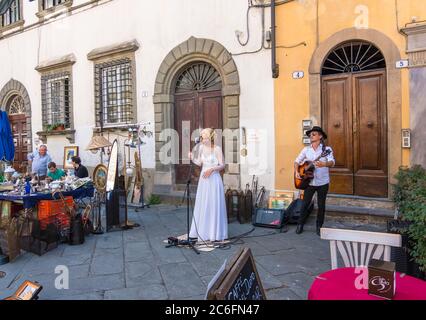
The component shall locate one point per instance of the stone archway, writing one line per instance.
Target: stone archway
(202, 50)
(16, 88)
(393, 89)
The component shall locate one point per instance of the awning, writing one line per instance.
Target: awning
(7, 147)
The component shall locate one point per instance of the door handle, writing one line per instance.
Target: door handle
(370, 124)
(337, 125)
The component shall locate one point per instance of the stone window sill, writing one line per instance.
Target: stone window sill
(14, 25)
(112, 128)
(43, 13)
(68, 133)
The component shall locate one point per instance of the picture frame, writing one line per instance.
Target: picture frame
(278, 203)
(69, 152)
(100, 177)
(285, 194)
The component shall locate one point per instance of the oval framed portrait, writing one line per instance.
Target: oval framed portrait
(100, 177)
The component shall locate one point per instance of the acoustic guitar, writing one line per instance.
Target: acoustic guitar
(306, 172)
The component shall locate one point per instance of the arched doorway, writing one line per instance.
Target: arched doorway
(15, 108)
(196, 51)
(198, 103)
(14, 99)
(354, 114)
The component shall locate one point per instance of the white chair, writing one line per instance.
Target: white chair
(357, 247)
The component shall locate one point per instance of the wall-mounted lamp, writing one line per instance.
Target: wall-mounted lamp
(406, 138)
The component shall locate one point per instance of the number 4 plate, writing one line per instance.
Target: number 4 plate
(298, 74)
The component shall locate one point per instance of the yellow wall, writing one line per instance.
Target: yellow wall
(297, 22)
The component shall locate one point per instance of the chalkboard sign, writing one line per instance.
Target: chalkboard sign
(239, 281)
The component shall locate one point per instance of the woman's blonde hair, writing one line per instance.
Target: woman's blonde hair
(210, 133)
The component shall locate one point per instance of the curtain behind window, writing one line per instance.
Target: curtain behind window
(5, 5)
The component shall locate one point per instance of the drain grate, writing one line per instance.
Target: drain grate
(2, 274)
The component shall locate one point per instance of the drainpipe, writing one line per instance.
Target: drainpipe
(275, 66)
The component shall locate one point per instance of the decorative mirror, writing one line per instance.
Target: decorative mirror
(112, 168)
(100, 177)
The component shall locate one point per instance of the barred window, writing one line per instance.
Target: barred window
(51, 3)
(114, 92)
(12, 14)
(56, 99)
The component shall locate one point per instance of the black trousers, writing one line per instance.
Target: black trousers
(307, 198)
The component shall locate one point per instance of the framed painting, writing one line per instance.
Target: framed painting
(69, 152)
(279, 203)
(100, 177)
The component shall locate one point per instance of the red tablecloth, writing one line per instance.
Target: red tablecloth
(347, 284)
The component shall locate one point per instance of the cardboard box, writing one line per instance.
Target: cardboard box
(381, 279)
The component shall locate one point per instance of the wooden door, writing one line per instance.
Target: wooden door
(18, 125)
(370, 138)
(201, 110)
(354, 117)
(337, 123)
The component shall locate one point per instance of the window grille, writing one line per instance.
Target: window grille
(114, 92)
(198, 77)
(52, 3)
(12, 14)
(353, 56)
(56, 99)
(16, 105)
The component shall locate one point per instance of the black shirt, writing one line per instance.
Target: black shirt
(81, 172)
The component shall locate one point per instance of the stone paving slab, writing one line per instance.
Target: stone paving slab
(298, 282)
(135, 264)
(181, 280)
(147, 292)
(107, 264)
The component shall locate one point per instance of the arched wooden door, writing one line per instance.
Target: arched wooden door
(354, 117)
(198, 104)
(16, 110)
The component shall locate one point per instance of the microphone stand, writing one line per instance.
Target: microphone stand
(186, 242)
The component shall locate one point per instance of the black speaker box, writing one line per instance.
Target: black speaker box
(270, 218)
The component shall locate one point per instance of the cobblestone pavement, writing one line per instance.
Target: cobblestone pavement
(135, 264)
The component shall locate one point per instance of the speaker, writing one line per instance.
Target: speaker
(116, 209)
(295, 210)
(270, 218)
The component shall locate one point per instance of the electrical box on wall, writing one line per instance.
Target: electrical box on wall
(406, 138)
(306, 125)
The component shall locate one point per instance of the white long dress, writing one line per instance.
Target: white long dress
(210, 222)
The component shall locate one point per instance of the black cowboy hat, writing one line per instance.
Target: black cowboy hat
(317, 129)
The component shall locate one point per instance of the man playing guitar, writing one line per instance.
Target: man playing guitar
(321, 176)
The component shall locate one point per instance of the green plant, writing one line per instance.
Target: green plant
(154, 199)
(410, 199)
(54, 126)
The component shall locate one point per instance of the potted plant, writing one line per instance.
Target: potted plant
(55, 127)
(410, 200)
(60, 127)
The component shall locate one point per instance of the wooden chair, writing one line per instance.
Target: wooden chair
(358, 247)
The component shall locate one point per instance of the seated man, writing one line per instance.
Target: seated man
(80, 171)
(55, 173)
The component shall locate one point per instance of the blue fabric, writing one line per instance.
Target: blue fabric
(7, 147)
(30, 201)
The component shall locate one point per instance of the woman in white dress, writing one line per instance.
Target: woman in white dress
(210, 222)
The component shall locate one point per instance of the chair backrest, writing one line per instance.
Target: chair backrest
(358, 247)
